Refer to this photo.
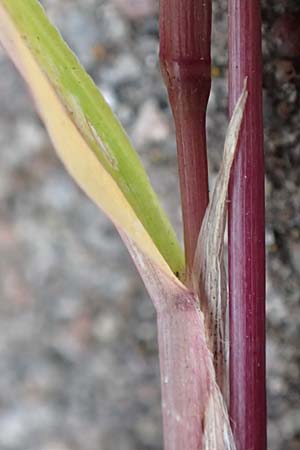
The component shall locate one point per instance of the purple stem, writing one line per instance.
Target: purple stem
(185, 34)
(246, 234)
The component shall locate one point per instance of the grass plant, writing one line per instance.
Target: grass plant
(188, 287)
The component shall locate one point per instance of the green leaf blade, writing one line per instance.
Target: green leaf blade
(96, 122)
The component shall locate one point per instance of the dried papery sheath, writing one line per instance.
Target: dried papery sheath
(209, 277)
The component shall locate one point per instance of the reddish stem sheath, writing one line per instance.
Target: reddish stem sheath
(246, 234)
(185, 34)
(184, 375)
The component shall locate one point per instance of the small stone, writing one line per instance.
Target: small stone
(14, 429)
(137, 9)
(58, 192)
(125, 69)
(284, 70)
(294, 249)
(146, 429)
(114, 27)
(32, 137)
(81, 33)
(107, 327)
(99, 52)
(145, 331)
(283, 110)
(151, 125)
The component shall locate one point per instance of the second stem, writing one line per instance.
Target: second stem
(185, 36)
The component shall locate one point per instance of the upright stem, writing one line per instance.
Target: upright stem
(246, 234)
(185, 34)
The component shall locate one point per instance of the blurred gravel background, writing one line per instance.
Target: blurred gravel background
(78, 351)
